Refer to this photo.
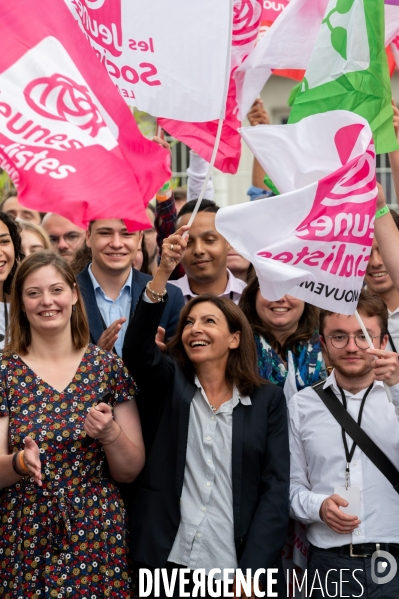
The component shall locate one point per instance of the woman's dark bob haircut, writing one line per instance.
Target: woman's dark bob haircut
(241, 370)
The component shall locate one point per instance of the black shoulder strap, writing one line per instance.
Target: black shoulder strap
(392, 343)
(367, 445)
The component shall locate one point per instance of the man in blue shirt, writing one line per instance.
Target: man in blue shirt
(111, 287)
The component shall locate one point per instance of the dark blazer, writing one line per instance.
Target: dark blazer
(260, 456)
(170, 317)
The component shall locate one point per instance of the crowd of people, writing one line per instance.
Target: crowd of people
(157, 412)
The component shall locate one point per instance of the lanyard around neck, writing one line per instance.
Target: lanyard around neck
(392, 343)
(349, 454)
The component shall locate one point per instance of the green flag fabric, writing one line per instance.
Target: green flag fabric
(348, 69)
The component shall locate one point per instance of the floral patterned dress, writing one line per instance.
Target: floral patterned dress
(68, 537)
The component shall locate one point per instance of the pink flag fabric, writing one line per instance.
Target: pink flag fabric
(67, 139)
(314, 240)
(200, 137)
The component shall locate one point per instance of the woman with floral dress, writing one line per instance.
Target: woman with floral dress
(62, 521)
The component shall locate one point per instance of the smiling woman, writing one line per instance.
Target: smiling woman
(287, 340)
(214, 491)
(209, 329)
(10, 256)
(60, 445)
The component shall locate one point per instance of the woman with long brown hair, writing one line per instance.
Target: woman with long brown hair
(288, 346)
(214, 491)
(62, 521)
(10, 255)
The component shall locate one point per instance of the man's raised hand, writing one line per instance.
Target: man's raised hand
(110, 335)
(385, 366)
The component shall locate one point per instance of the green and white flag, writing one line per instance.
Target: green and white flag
(348, 69)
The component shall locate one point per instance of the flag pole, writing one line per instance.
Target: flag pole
(220, 124)
(208, 174)
(371, 346)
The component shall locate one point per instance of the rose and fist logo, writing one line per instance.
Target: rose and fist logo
(60, 98)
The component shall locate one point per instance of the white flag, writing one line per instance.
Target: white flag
(314, 241)
(289, 43)
(167, 57)
(391, 20)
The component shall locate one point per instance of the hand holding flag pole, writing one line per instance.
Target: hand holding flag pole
(371, 346)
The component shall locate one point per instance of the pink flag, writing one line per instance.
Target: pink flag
(200, 137)
(67, 139)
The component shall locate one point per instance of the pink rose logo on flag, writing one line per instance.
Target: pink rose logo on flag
(246, 21)
(60, 98)
(341, 210)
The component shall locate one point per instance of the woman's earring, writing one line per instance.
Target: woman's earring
(74, 308)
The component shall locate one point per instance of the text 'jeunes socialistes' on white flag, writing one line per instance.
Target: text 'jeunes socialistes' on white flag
(314, 240)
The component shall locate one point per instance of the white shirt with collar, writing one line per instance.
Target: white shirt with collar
(233, 290)
(205, 538)
(318, 464)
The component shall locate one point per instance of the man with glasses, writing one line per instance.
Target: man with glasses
(65, 237)
(327, 465)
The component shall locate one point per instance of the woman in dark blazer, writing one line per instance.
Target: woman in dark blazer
(214, 490)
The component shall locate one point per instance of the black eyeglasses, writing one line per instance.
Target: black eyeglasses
(341, 340)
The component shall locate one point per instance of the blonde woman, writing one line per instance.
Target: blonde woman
(34, 238)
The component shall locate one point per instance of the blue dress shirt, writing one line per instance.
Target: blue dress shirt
(111, 310)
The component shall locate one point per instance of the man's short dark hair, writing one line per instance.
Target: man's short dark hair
(369, 305)
(206, 206)
(180, 193)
